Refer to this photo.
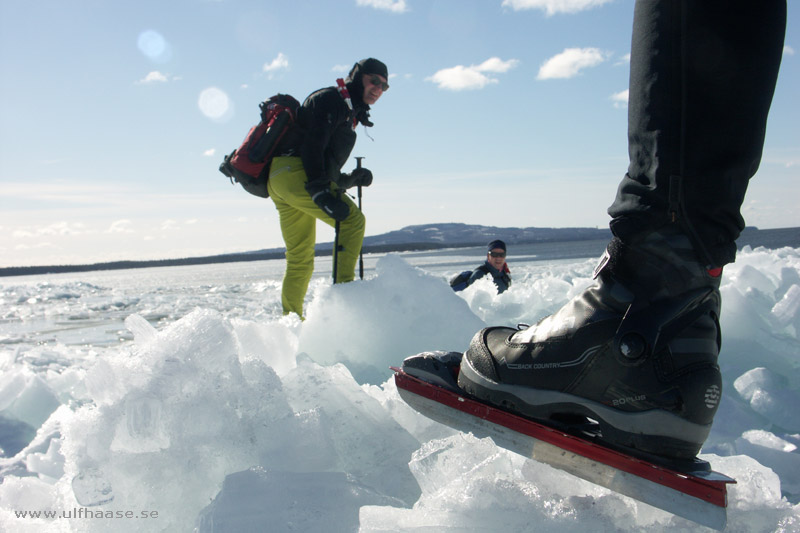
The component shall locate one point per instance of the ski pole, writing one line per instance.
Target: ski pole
(361, 254)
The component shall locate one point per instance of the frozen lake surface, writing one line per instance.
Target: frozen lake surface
(183, 391)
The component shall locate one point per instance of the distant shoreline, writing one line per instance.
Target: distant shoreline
(204, 260)
(232, 258)
(769, 238)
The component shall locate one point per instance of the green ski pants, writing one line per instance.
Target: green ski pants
(298, 218)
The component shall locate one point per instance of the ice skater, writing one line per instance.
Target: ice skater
(306, 181)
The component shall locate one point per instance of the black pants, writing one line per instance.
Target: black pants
(703, 73)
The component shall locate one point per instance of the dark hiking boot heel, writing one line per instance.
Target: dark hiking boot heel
(640, 358)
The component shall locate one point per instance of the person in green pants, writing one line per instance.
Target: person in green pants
(306, 182)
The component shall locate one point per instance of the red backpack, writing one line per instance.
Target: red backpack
(249, 164)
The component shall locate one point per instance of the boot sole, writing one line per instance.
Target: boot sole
(651, 432)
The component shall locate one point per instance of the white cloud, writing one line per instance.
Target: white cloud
(210, 152)
(35, 246)
(169, 224)
(551, 7)
(495, 64)
(624, 60)
(620, 99)
(154, 77)
(570, 62)
(22, 234)
(788, 50)
(344, 69)
(120, 226)
(395, 6)
(58, 229)
(281, 62)
(461, 78)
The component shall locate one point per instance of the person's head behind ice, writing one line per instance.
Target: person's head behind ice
(496, 254)
(377, 76)
(495, 245)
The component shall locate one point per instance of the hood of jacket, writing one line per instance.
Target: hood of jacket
(355, 85)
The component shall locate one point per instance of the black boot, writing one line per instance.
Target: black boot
(636, 352)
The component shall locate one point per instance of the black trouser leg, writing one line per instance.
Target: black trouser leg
(702, 78)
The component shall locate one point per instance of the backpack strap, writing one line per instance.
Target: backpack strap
(345, 94)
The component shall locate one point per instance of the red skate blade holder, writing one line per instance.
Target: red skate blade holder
(697, 496)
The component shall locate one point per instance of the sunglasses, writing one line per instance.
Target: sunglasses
(375, 80)
(497, 254)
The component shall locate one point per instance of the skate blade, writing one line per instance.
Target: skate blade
(697, 496)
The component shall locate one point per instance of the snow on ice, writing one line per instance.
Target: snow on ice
(196, 406)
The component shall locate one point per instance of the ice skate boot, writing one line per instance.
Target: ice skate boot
(636, 352)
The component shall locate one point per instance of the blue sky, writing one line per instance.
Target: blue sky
(114, 116)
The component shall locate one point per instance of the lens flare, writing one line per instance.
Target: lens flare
(214, 103)
(153, 45)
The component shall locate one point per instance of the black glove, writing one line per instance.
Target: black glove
(361, 176)
(322, 196)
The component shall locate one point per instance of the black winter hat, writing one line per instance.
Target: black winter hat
(496, 244)
(368, 66)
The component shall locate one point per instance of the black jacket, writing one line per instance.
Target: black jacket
(501, 278)
(328, 127)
